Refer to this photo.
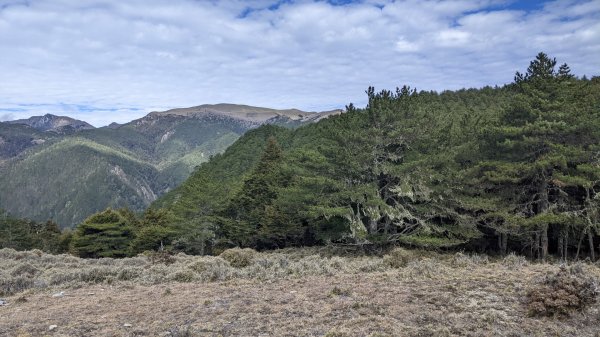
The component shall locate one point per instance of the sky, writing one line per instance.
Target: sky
(108, 61)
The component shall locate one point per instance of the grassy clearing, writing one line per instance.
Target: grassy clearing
(35, 270)
(292, 292)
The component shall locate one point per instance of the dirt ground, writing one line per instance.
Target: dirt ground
(483, 301)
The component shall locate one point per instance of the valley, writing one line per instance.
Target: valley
(62, 169)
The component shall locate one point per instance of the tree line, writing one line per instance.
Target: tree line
(512, 168)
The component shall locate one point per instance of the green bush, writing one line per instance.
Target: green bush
(104, 234)
(151, 237)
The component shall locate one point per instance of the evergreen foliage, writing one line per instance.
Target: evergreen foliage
(23, 234)
(513, 168)
(496, 169)
(104, 234)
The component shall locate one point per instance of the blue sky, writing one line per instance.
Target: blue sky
(116, 60)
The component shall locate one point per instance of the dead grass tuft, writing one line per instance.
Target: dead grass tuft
(561, 293)
(462, 260)
(25, 269)
(161, 256)
(514, 261)
(398, 257)
(239, 258)
(337, 291)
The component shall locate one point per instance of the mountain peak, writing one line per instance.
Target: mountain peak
(50, 122)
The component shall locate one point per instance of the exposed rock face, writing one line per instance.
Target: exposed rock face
(54, 123)
(166, 136)
(141, 188)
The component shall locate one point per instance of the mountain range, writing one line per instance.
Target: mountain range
(60, 168)
(49, 122)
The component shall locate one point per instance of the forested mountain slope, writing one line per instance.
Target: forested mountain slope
(511, 168)
(68, 176)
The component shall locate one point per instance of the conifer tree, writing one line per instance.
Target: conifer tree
(104, 234)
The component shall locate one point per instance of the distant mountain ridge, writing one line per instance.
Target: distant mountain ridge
(49, 122)
(247, 113)
(66, 176)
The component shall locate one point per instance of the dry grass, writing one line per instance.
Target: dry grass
(299, 292)
(562, 293)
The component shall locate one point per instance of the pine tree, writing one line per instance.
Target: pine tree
(253, 219)
(532, 153)
(104, 234)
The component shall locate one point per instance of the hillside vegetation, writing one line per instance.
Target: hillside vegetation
(496, 170)
(515, 168)
(69, 172)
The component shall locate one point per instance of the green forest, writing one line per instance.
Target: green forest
(496, 170)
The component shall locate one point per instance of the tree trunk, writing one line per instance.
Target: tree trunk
(503, 240)
(372, 226)
(542, 207)
(544, 242)
(591, 242)
(561, 240)
(386, 228)
(566, 243)
(500, 243)
(536, 245)
(589, 220)
(579, 243)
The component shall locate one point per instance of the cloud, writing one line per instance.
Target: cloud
(126, 58)
(7, 117)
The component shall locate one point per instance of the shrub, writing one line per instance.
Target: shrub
(461, 260)
(96, 274)
(239, 258)
(13, 285)
(561, 293)
(514, 261)
(212, 268)
(161, 256)
(24, 269)
(183, 276)
(398, 257)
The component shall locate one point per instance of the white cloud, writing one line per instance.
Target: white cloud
(403, 45)
(7, 117)
(110, 60)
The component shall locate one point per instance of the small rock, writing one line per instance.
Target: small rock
(127, 325)
(60, 294)
(91, 294)
(3, 302)
(52, 327)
